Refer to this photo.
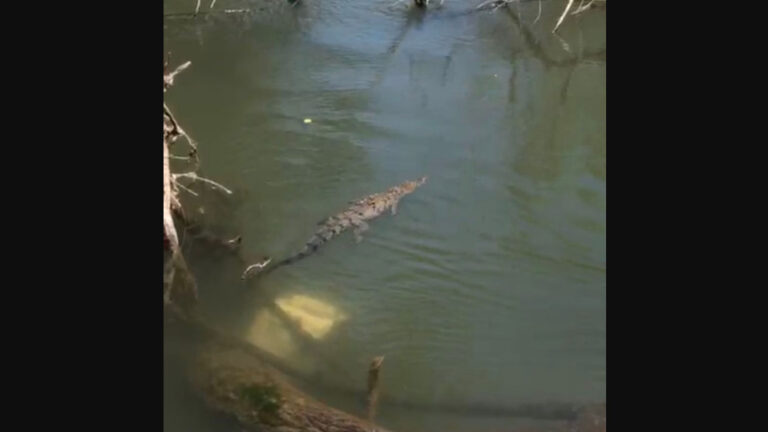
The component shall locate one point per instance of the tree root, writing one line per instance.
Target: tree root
(179, 286)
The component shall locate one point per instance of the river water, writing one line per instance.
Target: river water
(488, 287)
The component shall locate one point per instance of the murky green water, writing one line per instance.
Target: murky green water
(488, 287)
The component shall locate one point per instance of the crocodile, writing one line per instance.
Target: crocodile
(354, 217)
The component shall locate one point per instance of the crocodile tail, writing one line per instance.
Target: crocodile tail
(312, 245)
(290, 260)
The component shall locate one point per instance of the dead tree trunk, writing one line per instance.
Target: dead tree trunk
(179, 287)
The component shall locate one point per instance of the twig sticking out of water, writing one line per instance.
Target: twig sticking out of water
(536, 48)
(491, 4)
(197, 8)
(168, 78)
(373, 386)
(562, 17)
(496, 4)
(176, 131)
(583, 8)
(538, 15)
(208, 13)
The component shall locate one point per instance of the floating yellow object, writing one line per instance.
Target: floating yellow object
(307, 120)
(313, 316)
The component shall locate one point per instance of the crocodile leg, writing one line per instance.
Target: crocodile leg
(360, 228)
(394, 208)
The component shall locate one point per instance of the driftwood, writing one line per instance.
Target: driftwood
(241, 380)
(235, 382)
(233, 377)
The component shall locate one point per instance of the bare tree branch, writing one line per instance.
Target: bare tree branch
(584, 8)
(208, 13)
(190, 191)
(179, 286)
(170, 76)
(539, 14)
(176, 131)
(562, 17)
(192, 175)
(536, 48)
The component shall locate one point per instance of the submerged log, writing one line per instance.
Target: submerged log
(233, 378)
(239, 379)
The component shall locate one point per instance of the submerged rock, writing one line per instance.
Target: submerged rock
(313, 316)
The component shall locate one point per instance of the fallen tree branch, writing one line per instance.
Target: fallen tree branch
(538, 51)
(168, 78)
(492, 4)
(233, 377)
(176, 131)
(197, 8)
(495, 4)
(538, 15)
(583, 8)
(179, 286)
(184, 158)
(192, 175)
(190, 191)
(176, 261)
(562, 17)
